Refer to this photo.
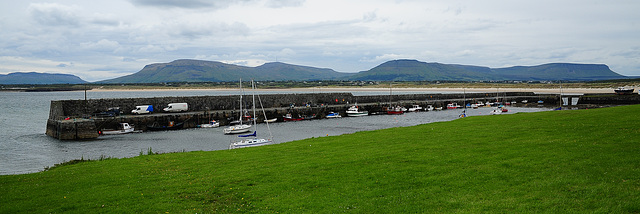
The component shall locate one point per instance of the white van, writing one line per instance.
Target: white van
(176, 107)
(144, 109)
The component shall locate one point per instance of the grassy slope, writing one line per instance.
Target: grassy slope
(561, 161)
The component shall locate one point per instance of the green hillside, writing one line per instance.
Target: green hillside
(559, 71)
(39, 78)
(209, 71)
(580, 161)
(395, 70)
(413, 70)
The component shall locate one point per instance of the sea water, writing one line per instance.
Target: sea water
(24, 147)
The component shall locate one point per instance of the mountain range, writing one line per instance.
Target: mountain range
(186, 70)
(39, 78)
(413, 70)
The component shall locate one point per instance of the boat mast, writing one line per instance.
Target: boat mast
(390, 106)
(560, 106)
(253, 87)
(265, 118)
(464, 99)
(241, 92)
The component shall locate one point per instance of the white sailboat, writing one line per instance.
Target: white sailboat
(253, 139)
(238, 128)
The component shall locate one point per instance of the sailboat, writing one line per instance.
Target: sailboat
(391, 109)
(253, 138)
(464, 101)
(560, 105)
(238, 128)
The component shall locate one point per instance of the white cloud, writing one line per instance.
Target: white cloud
(109, 39)
(52, 14)
(102, 45)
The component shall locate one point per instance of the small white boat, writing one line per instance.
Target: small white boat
(240, 128)
(211, 124)
(124, 128)
(415, 108)
(429, 108)
(525, 101)
(453, 106)
(439, 108)
(271, 120)
(496, 111)
(250, 142)
(354, 111)
(333, 115)
(237, 129)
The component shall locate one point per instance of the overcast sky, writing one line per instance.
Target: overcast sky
(99, 40)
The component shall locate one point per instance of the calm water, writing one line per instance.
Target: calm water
(24, 148)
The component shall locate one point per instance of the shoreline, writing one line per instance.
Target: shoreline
(347, 89)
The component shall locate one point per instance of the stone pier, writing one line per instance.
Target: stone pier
(76, 119)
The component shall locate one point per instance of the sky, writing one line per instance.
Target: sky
(98, 40)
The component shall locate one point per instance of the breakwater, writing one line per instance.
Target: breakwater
(76, 119)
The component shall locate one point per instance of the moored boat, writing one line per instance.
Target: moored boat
(250, 142)
(503, 109)
(354, 111)
(211, 124)
(453, 106)
(415, 108)
(290, 117)
(254, 140)
(429, 108)
(623, 91)
(239, 128)
(123, 128)
(333, 115)
(395, 110)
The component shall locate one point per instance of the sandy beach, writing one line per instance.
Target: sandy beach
(436, 90)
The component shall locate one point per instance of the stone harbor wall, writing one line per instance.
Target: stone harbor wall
(61, 109)
(73, 129)
(77, 119)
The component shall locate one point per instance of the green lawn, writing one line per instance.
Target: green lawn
(545, 162)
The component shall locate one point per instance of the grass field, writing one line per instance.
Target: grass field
(545, 162)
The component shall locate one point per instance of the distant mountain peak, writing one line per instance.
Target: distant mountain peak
(39, 78)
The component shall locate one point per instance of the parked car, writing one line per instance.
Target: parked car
(110, 112)
(176, 107)
(143, 109)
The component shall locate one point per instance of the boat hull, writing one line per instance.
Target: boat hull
(623, 91)
(250, 143)
(114, 132)
(357, 114)
(237, 129)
